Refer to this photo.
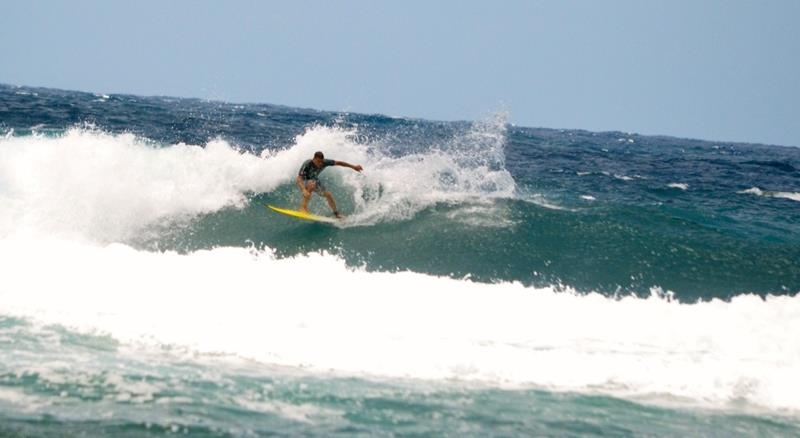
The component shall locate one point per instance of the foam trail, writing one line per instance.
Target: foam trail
(247, 303)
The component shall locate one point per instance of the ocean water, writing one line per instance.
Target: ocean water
(489, 280)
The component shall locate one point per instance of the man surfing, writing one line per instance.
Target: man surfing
(308, 180)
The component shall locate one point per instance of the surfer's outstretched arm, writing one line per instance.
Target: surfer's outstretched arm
(356, 167)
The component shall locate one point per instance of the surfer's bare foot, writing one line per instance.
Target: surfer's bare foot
(338, 215)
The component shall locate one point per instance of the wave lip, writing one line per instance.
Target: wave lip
(104, 187)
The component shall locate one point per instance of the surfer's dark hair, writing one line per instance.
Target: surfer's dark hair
(319, 154)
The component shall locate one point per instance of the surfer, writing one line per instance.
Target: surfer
(308, 180)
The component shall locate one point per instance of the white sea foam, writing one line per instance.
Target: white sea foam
(681, 186)
(468, 167)
(794, 196)
(102, 187)
(753, 191)
(20, 400)
(303, 413)
(248, 304)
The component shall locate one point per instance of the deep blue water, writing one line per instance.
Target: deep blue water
(479, 263)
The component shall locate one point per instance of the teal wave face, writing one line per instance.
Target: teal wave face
(616, 251)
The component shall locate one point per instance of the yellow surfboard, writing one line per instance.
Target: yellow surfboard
(303, 215)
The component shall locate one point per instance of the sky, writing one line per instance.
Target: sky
(725, 70)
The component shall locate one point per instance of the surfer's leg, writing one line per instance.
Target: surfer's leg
(331, 203)
(310, 187)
